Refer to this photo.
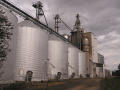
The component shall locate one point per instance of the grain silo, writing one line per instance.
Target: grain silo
(6, 70)
(82, 64)
(73, 60)
(31, 51)
(58, 57)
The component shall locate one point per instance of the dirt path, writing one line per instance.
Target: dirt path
(74, 84)
(80, 84)
(88, 84)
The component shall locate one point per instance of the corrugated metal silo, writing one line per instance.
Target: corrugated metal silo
(82, 64)
(73, 69)
(31, 51)
(6, 71)
(58, 57)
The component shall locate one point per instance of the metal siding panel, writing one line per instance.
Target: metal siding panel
(94, 50)
(73, 61)
(82, 64)
(58, 57)
(31, 51)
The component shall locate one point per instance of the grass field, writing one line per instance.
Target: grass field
(111, 83)
(74, 84)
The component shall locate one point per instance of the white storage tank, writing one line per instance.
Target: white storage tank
(73, 60)
(82, 64)
(6, 70)
(58, 57)
(31, 51)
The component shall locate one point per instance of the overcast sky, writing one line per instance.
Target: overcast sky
(102, 17)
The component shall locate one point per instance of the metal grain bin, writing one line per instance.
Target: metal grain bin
(82, 64)
(73, 68)
(31, 51)
(58, 57)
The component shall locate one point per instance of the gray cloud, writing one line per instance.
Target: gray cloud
(101, 17)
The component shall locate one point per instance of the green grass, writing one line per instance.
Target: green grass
(106, 84)
(111, 83)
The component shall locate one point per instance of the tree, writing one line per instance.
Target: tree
(5, 34)
(119, 67)
(116, 72)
